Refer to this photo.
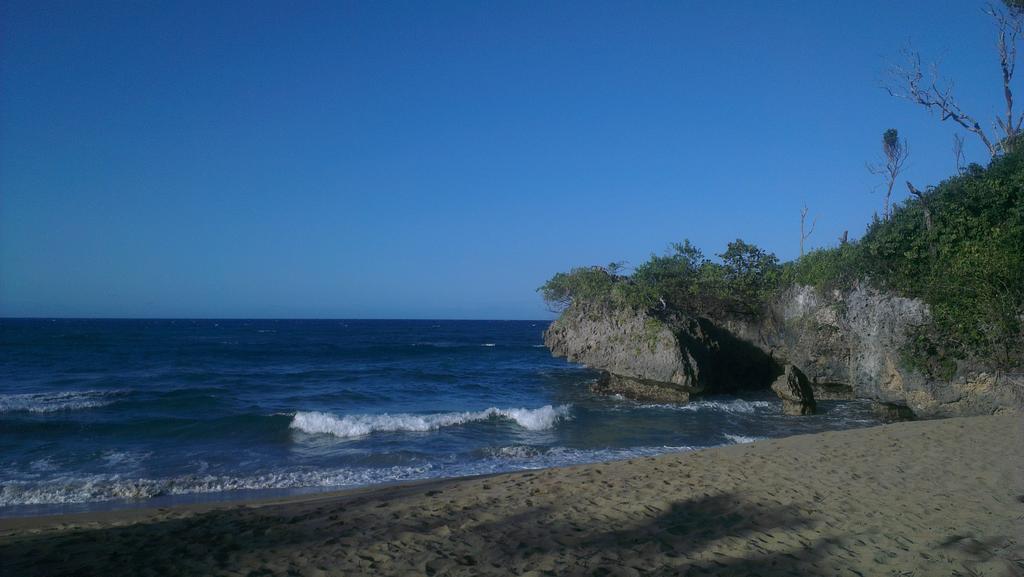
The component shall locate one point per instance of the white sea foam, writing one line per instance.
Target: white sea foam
(539, 457)
(488, 345)
(741, 439)
(359, 425)
(43, 465)
(111, 487)
(57, 401)
(739, 406)
(123, 459)
(95, 488)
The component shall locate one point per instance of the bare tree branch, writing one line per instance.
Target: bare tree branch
(805, 235)
(908, 81)
(1008, 28)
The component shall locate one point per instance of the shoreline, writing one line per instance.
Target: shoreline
(930, 496)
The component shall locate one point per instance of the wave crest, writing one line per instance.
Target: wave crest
(741, 439)
(360, 425)
(98, 488)
(739, 406)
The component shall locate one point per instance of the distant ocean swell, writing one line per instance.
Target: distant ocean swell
(57, 401)
(310, 422)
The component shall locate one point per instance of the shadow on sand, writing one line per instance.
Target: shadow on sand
(717, 534)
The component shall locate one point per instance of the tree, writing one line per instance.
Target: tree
(615, 268)
(668, 280)
(909, 81)
(746, 278)
(894, 156)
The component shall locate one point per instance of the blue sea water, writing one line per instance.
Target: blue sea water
(110, 413)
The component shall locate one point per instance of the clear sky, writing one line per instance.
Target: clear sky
(438, 159)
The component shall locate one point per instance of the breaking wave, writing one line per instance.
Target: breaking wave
(360, 425)
(741, 439)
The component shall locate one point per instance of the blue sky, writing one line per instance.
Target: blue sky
(438, 159)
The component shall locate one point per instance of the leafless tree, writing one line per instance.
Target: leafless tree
(1009, 26)
(804, 235)
(894, 157)
(928, 89)
(927, 209)
(958, 153)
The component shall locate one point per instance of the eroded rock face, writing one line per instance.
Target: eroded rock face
(855, 341)
(847, 344)
(890, 412)
(658, 360)
(795, 391)
(627, 344)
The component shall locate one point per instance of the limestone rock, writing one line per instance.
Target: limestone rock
(658, 360)
(832, 391)
(849, 344)
(854, 341)
(626, 343)
(639, 390)
(795, 391)
(891, 412)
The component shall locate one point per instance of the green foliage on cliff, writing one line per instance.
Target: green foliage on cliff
(959, 247)
(681, 280)
(582, 284)
(827, 269)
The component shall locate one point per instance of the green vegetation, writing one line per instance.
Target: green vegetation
(681, 280)
(959, 247)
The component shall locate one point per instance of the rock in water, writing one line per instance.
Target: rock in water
(795, 391)
(640, 390)
(891, 412)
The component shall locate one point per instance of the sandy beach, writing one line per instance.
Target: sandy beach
(920, 498)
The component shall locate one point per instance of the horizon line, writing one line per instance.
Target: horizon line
(99, 318)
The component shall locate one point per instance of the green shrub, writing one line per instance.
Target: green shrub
(825, 268)
(583, 284)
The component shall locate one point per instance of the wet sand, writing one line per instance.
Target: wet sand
(908, 499)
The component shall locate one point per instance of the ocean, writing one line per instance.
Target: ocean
(101, 414)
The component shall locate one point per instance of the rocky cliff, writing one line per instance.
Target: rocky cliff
(848, 344)
(857, 339)
(659, 359)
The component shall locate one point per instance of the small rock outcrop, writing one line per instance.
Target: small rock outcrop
(643, 355)
(795, 391)
(890, 412)
(640, 389)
